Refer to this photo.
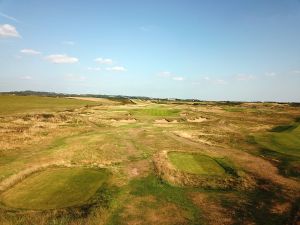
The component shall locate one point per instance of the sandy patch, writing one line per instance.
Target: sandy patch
(197, 120)
(161, 121)
(127, 121)
(193, 137)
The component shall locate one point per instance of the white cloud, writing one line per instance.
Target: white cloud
(26, 78)
(9, 17)
(165, 74)
(75, 77)
(28, 51)
(178, 78)
(116, 69)
(104, 61)
(68, 42)
(244, 77)
(7, 31)
(94, 68)
(210, 80)
(270, 74)
(60, 59)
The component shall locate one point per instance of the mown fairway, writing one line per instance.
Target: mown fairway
(55, 188)
(283, 144)
(98, 161)
(195, 164)
(21, 104)
(285, 141)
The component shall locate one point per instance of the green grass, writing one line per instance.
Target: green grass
(283, 139)
(283, 144)
(152, 186)
(282, 128)
(158, 111)
(229, 166)
(55, 188)
(10, 104)
(195, 163)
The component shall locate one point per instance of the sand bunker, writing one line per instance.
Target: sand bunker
(194, 137)
(123, 120)
(127, 121)
(197, 120)
(166, 121)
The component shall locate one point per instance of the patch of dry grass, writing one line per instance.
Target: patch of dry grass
(125, 138)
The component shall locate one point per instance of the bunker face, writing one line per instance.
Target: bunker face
(55, 188)
(195, 163)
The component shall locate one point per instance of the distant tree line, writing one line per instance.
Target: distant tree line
(127, 98)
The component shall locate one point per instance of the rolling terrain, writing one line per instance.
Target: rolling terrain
(115, 161)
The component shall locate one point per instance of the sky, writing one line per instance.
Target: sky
(238, 50)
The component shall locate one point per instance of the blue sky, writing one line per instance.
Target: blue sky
(205, 49)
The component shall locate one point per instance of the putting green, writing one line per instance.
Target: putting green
(195, 163)
(55, 188)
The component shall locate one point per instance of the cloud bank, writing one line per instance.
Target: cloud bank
(28, 51)
(8, 31)
(61, 59)
(104, 61)
(167, 74)
(116, 69)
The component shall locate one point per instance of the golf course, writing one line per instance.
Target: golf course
(66, 160)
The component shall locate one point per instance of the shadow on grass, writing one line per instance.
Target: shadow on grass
(152, 186)
(257, 205)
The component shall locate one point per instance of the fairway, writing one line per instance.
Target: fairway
(19, 104)
(285, 142)
(149, 112)
(195, 163)
(156, 112)
(157, 171)
(55, 188)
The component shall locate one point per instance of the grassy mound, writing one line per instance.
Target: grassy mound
(195, 163)
(198, 170)
(283, 143)
(55, 188)
(282, 139)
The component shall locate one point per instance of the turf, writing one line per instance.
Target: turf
(283, 144)
(155, 111)
(88, 137)
(163, 192)
(55, 188)
(10, 104)
(195, 163)
(286, 141)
